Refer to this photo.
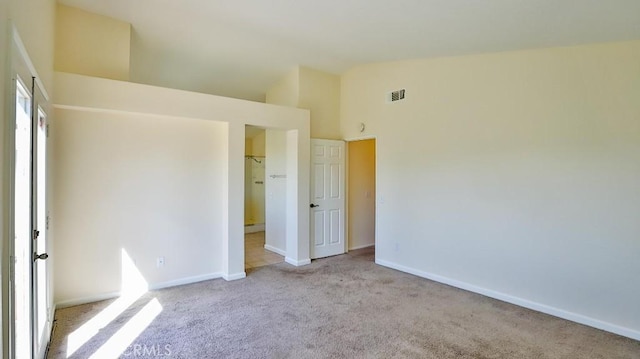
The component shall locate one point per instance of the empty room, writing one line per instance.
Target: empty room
(320, 179)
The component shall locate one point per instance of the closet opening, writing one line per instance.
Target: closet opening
(361, 198)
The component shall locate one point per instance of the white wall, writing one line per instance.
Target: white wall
(34, 21)
(276, 191)
(148, 185)
(513, 174)
(316, 91)
(256, 201)
(254, 169)
(75, 93)
(319, 92)
(287, 91)
(258, 144)
(91, 44)
(4, 268)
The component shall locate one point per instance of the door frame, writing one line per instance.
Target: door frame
(297, 144)
(40, 220)
(19, 66)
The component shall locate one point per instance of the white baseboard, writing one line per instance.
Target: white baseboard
(187, 280)
(112, 295)
(574, 317)
(252, 228)
(296, 263)
(85, 300)
(234, 276)
(362, 246)
(275, 250)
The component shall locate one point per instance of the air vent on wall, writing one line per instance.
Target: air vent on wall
(396, 95)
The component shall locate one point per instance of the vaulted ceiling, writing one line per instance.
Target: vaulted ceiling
(240, 48)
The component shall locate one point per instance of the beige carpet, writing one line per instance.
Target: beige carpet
(340, 307)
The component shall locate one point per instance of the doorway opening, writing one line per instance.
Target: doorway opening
(29, 284)
(362, 195)
(254, 171)
(264, 238)
(28, 312)
(22, 208)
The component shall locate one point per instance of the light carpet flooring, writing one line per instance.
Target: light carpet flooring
(339, 307)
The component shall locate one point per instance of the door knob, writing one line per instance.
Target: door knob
(42, 256)
(314, 205)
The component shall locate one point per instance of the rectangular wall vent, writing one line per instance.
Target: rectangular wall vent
(396, 95)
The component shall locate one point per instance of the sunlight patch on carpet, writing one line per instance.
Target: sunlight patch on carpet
(124, 337)
(133, 287)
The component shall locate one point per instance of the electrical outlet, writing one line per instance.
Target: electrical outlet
(160, 262)
(397, 247)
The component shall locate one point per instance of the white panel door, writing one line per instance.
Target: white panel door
(327, 198)
(41, 308)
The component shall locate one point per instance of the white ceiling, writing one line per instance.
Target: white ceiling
(240, 48)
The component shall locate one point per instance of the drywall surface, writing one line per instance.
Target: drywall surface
(316, 91)
(76, 93)
(513, 174)
(4, 46)
(320, 94)
(248, 149)
(254, 173)
(258, 144)
(144, 185)
(286, 91)
(362, 193)
(248, 146)
(91, 44)
(276, 191)
(33, 20)
(4, 210)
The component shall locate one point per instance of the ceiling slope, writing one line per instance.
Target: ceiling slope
(240, 48)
